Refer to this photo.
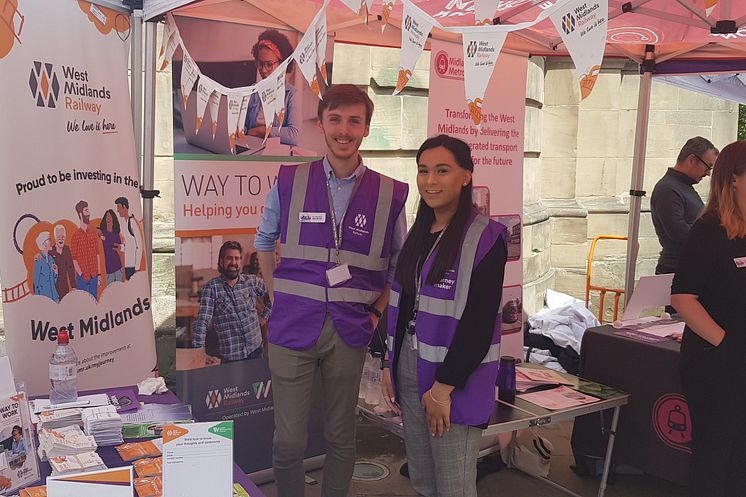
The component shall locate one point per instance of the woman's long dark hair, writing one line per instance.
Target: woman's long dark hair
(412, 251)
(114, 222)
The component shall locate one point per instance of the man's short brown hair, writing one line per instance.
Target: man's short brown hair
(339, 95)
(80, 206)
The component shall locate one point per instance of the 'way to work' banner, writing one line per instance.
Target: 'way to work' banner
(71, 250)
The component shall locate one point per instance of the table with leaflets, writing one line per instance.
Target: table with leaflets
(509, 417)
(112, 459)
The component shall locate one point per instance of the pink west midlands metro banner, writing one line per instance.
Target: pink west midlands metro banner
(72, 251)
(497, 150)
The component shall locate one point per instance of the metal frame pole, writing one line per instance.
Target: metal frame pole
(136, 83)
(609, 451)
(148, 159)
(638, 169)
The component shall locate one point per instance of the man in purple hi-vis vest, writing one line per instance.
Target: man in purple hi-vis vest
(340, 226)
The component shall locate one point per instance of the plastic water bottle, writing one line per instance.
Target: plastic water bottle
(63, 371)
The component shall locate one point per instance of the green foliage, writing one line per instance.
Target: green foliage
(742, 122)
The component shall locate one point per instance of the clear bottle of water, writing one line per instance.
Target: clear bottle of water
(63, 371)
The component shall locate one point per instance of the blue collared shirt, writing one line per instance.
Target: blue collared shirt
(341, 189)
(232, 310)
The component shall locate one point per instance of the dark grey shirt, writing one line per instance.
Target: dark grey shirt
(675, 205)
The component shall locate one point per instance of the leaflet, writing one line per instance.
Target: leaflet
(18, 464)
(558, 398)
(191, 451)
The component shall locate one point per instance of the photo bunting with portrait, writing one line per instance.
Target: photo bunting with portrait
(72, 252)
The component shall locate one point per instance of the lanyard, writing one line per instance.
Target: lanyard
(337, 228)
(418, 283)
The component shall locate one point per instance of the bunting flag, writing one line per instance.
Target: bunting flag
(484, 11)
(189, 74)
(416, 26)
(205, 89)
(710, 6)
(388, 6)
(172, 44)
(267, 94)
(279, 77)
(214, 104)
(481, 50)
(321, 45)
(582, 26)
(167, 32)
(305, 55)
(235, 100)
(242, 112)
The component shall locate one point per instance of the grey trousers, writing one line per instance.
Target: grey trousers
(438, 466)
(293, 372)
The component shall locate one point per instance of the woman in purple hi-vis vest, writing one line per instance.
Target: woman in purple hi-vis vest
(444, 326)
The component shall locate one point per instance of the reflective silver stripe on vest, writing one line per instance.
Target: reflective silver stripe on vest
(383, 210)
(353, 295)
(307, 252)
(390, 343)
(363, 261)
(437, 354)
(455, 308)
(371, 261)
(394, 298)
(297, 199)
(300, 289)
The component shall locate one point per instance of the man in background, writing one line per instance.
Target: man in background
(675, 205)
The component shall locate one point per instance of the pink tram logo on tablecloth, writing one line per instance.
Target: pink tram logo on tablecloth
(672, 422)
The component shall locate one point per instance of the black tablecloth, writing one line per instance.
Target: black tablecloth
(654, 432)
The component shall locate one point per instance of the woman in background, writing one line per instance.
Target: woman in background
(708, 292)
(444, 330)
(270, 51)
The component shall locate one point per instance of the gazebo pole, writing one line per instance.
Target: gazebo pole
(638, 169)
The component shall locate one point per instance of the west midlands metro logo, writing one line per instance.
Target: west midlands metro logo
(45, 87)
(568, 23)
(361, 220)
(261, 389)
(213, 399)
(471, 49)
(408, 23)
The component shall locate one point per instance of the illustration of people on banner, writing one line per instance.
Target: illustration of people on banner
(87, 254)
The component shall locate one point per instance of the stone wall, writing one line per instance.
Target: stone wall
(586, 165)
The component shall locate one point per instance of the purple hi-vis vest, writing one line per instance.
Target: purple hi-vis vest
(302, 293)
(441, 307)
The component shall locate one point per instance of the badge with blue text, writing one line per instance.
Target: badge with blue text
(312, 217)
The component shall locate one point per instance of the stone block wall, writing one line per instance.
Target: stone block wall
(586, 165)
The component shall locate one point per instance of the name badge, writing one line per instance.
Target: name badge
(338, 274)
(312, 217)
(740, 261)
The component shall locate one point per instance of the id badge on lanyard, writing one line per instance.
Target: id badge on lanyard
(340, 273)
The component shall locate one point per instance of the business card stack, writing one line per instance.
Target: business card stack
(104, 424)
(82, 463)
(60, 418)
(67, 441)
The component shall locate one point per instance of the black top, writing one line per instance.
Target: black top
(674, 206)
(709, 271)
(473, 335)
